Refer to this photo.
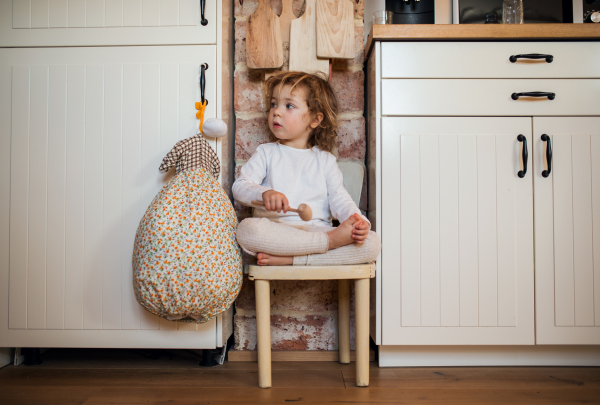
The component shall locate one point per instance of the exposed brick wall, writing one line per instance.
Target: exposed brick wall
(303, 313)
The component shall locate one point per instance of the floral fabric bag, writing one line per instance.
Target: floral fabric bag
(186, 261)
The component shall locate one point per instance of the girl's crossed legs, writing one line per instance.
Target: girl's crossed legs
(279, 244)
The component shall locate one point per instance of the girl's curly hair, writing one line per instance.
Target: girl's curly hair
(320, 98)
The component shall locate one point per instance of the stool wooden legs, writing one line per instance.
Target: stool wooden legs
(263, 332)
(361, 290)
(263, 328)
(344, 320)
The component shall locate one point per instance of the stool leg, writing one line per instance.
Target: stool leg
(263, 331)
(361, 291)
(344, 320)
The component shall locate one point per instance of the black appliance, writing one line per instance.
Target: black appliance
(411, 11)
(534, 11)
(591, 11)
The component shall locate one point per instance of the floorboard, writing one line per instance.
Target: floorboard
(332, 396)
(19, 395)
(107, 376)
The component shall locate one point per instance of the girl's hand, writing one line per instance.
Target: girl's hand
(360, 231)
(275, 201)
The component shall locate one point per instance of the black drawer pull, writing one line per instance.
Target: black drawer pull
(523, 172)
(203, 68)
(203, 20)
(549, 58)
(546, 138)
(551, 96)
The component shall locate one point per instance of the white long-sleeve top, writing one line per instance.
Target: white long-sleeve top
(309, 176)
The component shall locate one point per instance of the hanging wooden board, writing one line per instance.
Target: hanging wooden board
(264, 49)
(285, 22)
(303, 43)
(335, 29)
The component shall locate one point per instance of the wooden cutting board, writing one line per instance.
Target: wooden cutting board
(303, 43)
(264, 49)
(335, 29)
(285, 22)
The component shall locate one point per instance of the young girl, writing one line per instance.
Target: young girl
(299, 168)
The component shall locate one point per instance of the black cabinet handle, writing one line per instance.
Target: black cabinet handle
(203, 67)
(549, 58)
(523, 172)
(203, 20)
(551, 96)
(546, 138)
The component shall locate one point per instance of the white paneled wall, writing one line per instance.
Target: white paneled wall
(85, 146)
(27, 14)
(460, 223)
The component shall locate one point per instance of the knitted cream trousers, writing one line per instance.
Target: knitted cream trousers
(308, 244)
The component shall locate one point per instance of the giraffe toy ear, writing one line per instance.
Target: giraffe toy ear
(214, 128)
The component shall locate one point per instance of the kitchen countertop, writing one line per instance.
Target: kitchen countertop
(481, 32)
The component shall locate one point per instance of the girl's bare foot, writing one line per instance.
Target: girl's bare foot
(342, 235)
(265, 259)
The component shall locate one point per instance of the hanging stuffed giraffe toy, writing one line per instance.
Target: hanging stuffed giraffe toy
(186, 261)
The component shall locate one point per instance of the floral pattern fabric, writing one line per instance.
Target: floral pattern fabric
(186, 260)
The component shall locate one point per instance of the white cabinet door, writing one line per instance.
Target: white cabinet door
(457, 232)
(82, 134)
(567, 229)
(106, 22)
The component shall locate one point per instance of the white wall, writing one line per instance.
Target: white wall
(370, 7)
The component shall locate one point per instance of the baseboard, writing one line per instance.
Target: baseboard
(445, 356)
(294, 355)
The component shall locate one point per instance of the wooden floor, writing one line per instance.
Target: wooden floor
(78, 376)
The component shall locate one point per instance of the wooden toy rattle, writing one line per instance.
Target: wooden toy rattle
(303, 210)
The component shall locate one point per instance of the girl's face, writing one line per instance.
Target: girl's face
(289, 118)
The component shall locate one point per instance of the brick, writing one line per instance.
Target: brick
(250, 7)
(245, 300)
(310, 332)
(238, 169)
(248, 85)
(240, 43)
(249, 135)
(351, 139)
(310, 296)
(359, 9)
(349, 88)
(244, 332)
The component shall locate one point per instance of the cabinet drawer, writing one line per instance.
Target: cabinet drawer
(490, 97)
(105, 23)
(489, 60)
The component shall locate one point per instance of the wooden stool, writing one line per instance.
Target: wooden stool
(262, 275)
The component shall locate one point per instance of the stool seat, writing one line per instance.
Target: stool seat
(351, 272)
(360, 273)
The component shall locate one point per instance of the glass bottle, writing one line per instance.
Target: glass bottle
(512, 12)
